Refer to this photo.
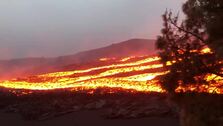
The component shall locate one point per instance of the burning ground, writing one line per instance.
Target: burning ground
(138, 74)
(121, 87)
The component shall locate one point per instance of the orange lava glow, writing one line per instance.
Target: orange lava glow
(121, 74)
(132, 73)
(206, 50)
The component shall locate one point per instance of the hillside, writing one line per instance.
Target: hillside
(31, 66)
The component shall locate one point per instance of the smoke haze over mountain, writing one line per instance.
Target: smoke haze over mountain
(35, 28)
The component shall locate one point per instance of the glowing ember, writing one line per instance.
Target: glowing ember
(106, 59)
(206, 50)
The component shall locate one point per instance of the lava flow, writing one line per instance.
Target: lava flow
(131, 73)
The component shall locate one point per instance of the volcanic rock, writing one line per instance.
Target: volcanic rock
(96, 105)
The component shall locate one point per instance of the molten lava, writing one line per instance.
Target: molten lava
(131, 73)
(122, 74)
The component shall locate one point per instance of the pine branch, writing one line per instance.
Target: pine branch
(189, 32)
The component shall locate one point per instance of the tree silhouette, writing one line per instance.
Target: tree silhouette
(182, 45)
(207, 15)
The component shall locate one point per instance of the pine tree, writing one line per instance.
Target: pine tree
(182, 45)
(208, 16)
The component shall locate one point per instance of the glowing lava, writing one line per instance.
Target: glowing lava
(126, 75)
(130, 73)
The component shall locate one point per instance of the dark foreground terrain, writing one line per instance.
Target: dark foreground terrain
(86, 118)
(107, 107)
(86, 108)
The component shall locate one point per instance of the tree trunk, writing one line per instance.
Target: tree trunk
(200, 109)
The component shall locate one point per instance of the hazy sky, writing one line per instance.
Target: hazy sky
(31, 28)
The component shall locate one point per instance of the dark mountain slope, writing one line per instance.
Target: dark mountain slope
(31, 66)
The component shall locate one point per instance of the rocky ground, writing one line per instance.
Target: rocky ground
(121, 105)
